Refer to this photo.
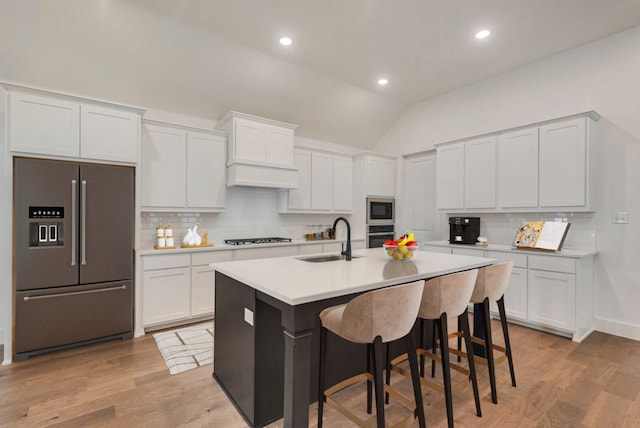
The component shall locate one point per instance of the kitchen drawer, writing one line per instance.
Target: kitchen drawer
(205, 258)
(260, 253)
(519, 260)
(334, 247)
(310, 249)
(553, 264)
(65, 315)
(436, 249)
(165, 261)
(467, 251)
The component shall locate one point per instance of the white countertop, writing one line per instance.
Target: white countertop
(507, 248)
(294, 281)
(221, 246)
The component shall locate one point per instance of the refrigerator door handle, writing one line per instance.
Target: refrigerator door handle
(74, 198)
(83, 224)
(74, 293)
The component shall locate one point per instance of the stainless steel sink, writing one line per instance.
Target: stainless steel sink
(324, 258)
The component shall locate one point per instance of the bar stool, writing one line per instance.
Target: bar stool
(444, 297)
(374, 318)
(490, 286)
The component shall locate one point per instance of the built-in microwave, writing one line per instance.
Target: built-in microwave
(380, 211)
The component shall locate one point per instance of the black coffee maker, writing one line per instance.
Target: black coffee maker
(464, 230)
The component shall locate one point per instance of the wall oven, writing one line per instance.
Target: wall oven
(380, 221)
(380, 211)
(378, 234)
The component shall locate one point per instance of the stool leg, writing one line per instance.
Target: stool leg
(323, 363)
(434, 348)
(486, 321)
(460, 338)
(387, 365)
(446, 374)
(507, 344)
(369, 370)
(423, 340)
(463, 323)
(415, 380)
(377, 380)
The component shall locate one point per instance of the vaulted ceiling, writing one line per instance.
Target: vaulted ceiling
(206, 57)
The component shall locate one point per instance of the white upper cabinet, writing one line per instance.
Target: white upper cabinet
(261, 142)
(322, 179)
(542, 168)
(46, 125)
(300, 198)
(163, 166)
(260, 151)
(518, 169)
(380, 176)
(563, 164)
(342, 183)
(182, 169)
(206, 174)
(43, 125)
(108, 134)
(480, 173)
(325, 184)
(450, 176)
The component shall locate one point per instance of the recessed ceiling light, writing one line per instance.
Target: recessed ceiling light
(383, 81)
(285, 41)
(482, 34)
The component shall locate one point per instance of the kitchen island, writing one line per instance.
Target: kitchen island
(266, 324)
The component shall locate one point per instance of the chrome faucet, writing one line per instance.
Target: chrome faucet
(347, 252)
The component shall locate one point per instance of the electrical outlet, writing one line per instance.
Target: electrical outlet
(621, 217)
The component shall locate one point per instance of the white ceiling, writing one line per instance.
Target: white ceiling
(205, 57)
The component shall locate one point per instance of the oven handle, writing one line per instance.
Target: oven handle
(380, 234)
(74, 293)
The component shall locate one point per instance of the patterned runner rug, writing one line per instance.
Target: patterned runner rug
(186, 348)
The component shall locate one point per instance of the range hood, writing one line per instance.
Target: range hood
(259, 152)
(262, 175)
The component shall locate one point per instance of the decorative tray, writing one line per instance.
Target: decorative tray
(173, 247)
(195, 246)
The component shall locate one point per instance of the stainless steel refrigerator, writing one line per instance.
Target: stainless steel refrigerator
(73, 254)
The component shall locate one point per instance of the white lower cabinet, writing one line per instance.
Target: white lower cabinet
(203, 290)
(515, 297)
(547, 292)
(172, 294)
(552, 292)
(180, 288)
(551, 299)
(166, 282)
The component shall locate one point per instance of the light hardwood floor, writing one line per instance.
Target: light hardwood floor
(126, 384)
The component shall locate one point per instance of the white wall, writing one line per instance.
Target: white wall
(6, 241)
(600, 76)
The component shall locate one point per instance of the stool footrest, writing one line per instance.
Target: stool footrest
(463, 384)
(482, 360)
(405, 423)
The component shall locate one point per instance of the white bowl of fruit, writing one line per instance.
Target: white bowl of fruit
(402, 248)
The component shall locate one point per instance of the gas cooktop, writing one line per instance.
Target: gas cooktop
(255, 241)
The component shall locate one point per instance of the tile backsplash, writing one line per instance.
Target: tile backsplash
(502, 228)
(250, 212)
